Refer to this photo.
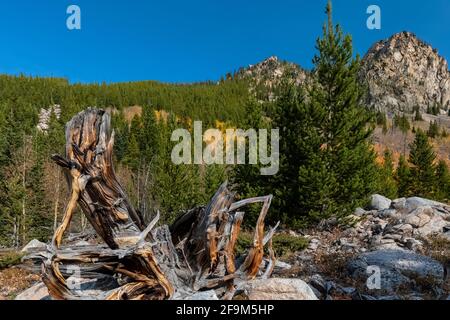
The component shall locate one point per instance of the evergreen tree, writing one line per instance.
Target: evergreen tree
(417, 114)
(121, 131)
(403, 124)
(381, 120)
(247, 177)
(422, 159)
(175, 187)
(388, 183)
(442, 181)
(403, 177)
(433, 130)
(133, 154)
(324, 139)
(346, 159)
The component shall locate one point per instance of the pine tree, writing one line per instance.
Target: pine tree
(417, 114)
(422, 159)
(403, 177)
(403, 124)
(247, 178)
(348, 161)
(121, 131)
(300, 142)
(148, 140)
(381, 120)
(175, 187)
(442, 181)
(433, 130)
(324, 138)
(133, 154)
(388, 183)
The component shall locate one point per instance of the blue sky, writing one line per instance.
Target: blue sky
(191, 40)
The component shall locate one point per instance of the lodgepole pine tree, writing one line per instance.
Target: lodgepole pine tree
(247, 178)
(422, 158)
(403, 177)
(442, 181)
(342, 172)
(388, 184)
(433, 130)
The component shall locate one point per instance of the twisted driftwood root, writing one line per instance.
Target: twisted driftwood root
(195, 253)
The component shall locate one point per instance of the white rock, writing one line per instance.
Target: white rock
(203, 295)
(34, 245)
(360, 212)
(379, 202)
(314, 244)
(398, 56)
(398, 203)
(419, 216)
(387, 213)
(415, 202)
(435, 226)
(37, 292)
(279, 289)
(399, 268)
(282, 265)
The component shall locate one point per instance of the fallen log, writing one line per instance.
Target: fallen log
(195, 253)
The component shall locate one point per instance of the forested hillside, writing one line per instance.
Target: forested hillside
(32, 189)
(328, 165)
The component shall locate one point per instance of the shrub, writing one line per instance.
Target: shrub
(10, 259)
(283, 244)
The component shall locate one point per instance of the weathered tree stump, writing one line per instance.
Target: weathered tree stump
(195, 253)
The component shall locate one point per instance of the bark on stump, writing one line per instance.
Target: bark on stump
(195, 253)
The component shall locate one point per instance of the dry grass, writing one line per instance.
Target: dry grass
(15, 280)
(334, 265)
(438, 248)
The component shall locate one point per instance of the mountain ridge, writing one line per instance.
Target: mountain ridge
(402, 73)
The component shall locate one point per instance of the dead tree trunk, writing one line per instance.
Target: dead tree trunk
(144, 262)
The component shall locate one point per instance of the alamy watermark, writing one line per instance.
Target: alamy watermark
(73, 21)
(374, 280)
(74, 281)
(374, 20)
(229, 148)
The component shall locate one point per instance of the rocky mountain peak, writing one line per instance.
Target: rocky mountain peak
(269, 73)
(403, 72)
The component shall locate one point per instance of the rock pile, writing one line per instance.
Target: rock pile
(392, 236)
(401, 223)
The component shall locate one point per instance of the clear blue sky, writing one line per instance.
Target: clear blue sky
(191, 40)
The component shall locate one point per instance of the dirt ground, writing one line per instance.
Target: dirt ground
(14, 280)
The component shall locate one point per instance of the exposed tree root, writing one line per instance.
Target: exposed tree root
(195, 253)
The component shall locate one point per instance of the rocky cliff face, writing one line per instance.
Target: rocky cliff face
(403, 72)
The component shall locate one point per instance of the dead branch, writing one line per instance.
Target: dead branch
(197, 252)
